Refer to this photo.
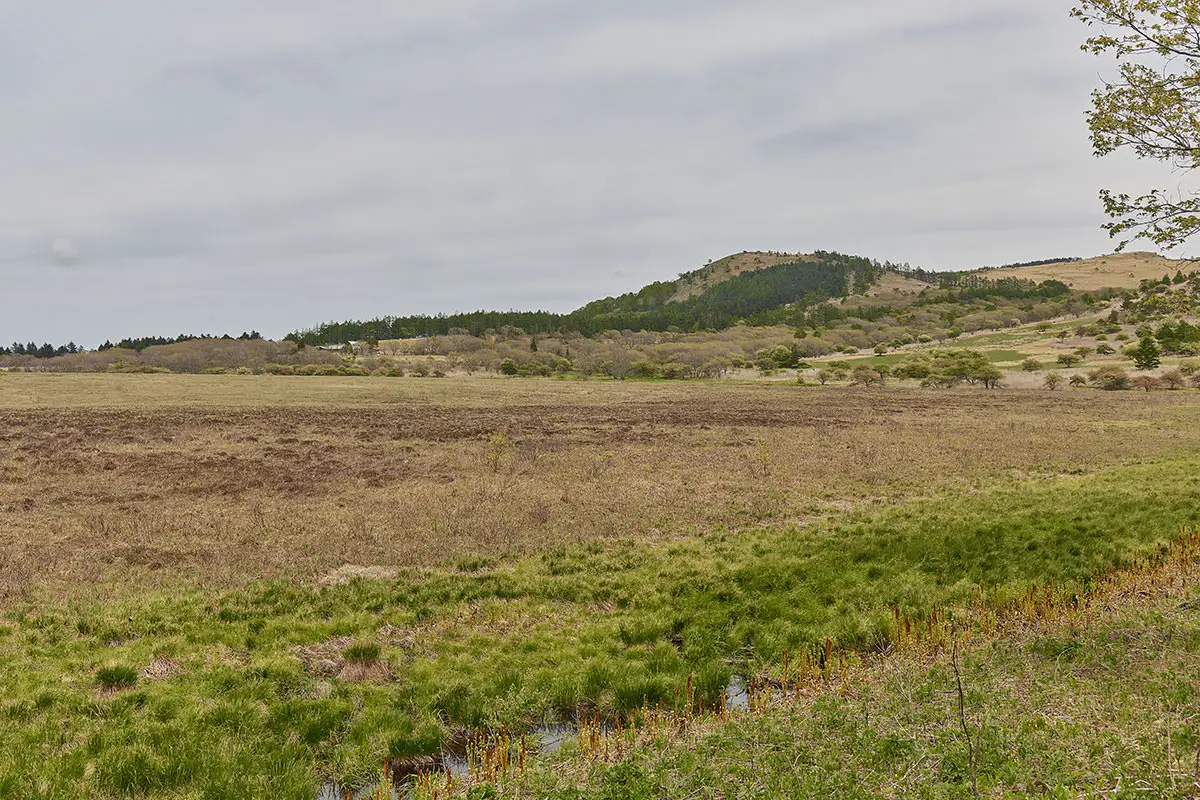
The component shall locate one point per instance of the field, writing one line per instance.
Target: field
(218, 586)
(1124, 270)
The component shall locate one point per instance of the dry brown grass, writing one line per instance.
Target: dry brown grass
(116, 481)
(1121, 270)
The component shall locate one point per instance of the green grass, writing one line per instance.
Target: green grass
(116, 677)
(603, 627)
(362, 653)
(1108, 712)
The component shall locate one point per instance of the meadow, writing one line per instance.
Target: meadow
(218, 586)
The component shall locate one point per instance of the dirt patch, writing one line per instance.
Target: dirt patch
(160, 669)
(324, 658)
(369, 672)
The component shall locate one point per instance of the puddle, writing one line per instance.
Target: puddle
(542, 740)
(551, 738)
(737, 695)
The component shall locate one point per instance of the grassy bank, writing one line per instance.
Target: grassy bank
(1103, 711)
(262, 691)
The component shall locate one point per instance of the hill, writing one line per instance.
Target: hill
(1117, 270)
(691, 284)
(756, 288)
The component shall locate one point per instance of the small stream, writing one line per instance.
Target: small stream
(542, 740)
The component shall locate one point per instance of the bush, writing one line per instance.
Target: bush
(1053, 381)
(322, 370)
(507, 367)
(1078, 380)
(1110, 378)
(1068, 359)
(1175, 379)
(1031, 365)
(532, 368)
(1147, 382)
(865, 376)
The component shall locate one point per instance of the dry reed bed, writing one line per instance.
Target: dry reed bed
(123, 485)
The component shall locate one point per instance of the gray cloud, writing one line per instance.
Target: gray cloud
(226, 167)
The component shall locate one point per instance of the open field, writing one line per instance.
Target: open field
(221, 586)
(136, 480)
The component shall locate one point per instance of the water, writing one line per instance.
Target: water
(737, 695)
(542, 740)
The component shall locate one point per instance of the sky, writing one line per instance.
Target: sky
(270, 164)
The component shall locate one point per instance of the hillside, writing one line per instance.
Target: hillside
(695, 283)
(1116, 270)
(755, 288)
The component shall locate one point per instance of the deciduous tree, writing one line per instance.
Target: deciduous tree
(1151, 107)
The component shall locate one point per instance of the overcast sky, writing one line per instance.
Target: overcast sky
(234, 164)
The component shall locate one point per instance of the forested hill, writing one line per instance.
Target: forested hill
(779, 293)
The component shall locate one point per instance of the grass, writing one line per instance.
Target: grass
(1107, 712)
(590, 627)
(116, 677)
(623, 539)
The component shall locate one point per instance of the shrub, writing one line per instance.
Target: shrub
(1110, 378)
(1105, 350)
(507, 367)
(530, 368)
(1175, 379)
(1031, 365)
(865, 376)
(645, 369)
(1068, 359)
(1147, 382)
(1053, 381)
(323, 370)
(1078, 380)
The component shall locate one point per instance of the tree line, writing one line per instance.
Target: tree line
(763, 297)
